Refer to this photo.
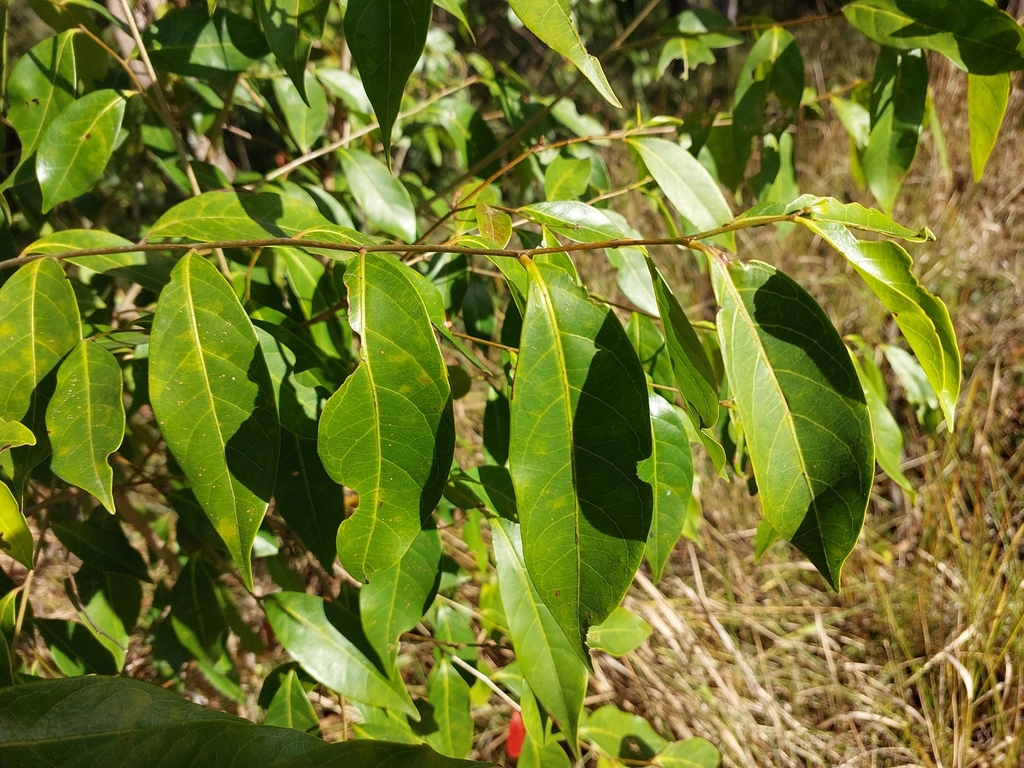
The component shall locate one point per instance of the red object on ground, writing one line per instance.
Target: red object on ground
(516, 733)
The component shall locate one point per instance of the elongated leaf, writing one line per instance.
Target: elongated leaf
(552, 22)
(14, 434)
(923, 319)
(15, 537)
(805, 422)
(769, 88)
(577, 406)
(383, 198)
(386, 38)
(308, 499)
(669, 470)
(214, 401)
(652, 350)
(189, 41)
(290, 707)
(39, 324)
(196, 615)
(75, 149)
(328, 642)
(388, 433)
(449, 696)
(688, 185)
(974, 35)
(305, 109)
(855, 216)
(621, 633)
(68, 240)
(291, 27)
(987, 99)
(549, 662)
(898, 94)
(397, 598)
(86, 420)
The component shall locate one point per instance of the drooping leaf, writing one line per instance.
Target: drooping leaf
(305, 109)
(621, 734)
(214, 402)
(448, 694)
(652, 350)
(15, 537)
(308, 499)
(669, 470)
(549, 662)
(386, 38)
(189, 41)
(805, 421)
(291, 27)
(383, 198)
(86, 421)
(924, 320)
(578, 401)
(290, 707)
(328, 641)
(388, 433)
(975, 35)
(987, 99)
(552, 22)
(621, 633)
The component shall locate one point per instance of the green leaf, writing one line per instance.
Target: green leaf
(449, 697)
(689, 753)
(669, 470)
(388, 433)
(397, 598)
(291, 27)
(805, 422)
(549, 662)
(109, 606)
(924, 320)
(976, 36)
(916, 386)
(579, 397)
(692, 51)
(495, 225)
(765, 537)
(620, 734)
(290, 707)
(566, 178)
(386, 38)
(621, 633)
(39, 324)
(542, 755)
(15, 537)
(327, 640)
(75, 649)
(305, 111)
(85, 420)
(898, 94)
(769, 88)
(14, 434)
(652, 350)
(383, 198)
(75, 149)
(855, 216)
(214, 402)
(987, 99)
(378, 754)
(188, 41)
(101, 543)
(688, 185)
(552, 22)
(197, 618)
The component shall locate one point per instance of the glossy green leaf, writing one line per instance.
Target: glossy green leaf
(100, 542)
(328, 641)
(898, 94)
(308, 499)
(552, 22)
(805, 421)
(15, 537)
(924, 320)
(566, 178)
(495, 225)
(85, 419)
(57, 243)
(549, 662)
(386, 38)
(39, 324)
(383, 198)
(14, 434)
(197, 618)
(397, 598)
(974, 35)
(189, 41)
(305, 111)
(855, 216)
(689, 753)
(291, 27)
(688, 185)
(669, 470)
(448, 694)
(987, 99)
(388, 433)
(621, 734)
(621, 633)
(214, 402)
(290, 707)
(75, 149)
(578, 401)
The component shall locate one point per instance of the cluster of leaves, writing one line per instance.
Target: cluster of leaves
(251, 358)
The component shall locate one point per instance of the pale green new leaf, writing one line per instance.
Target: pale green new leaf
(548, 661)
(388, 433)
(214, 402)
(494, 224)
(75, 149)
(805, 421)
(85, 419)
(621, 633)
(328, 642)
(552, 22)
(384, 199)
(14, 434)
(305, 111)
(386, 38)
(290, 707)
(15, 537)
(987, 99)
(449, 696)
(669, 470)
(924, 320)
(291, 27)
